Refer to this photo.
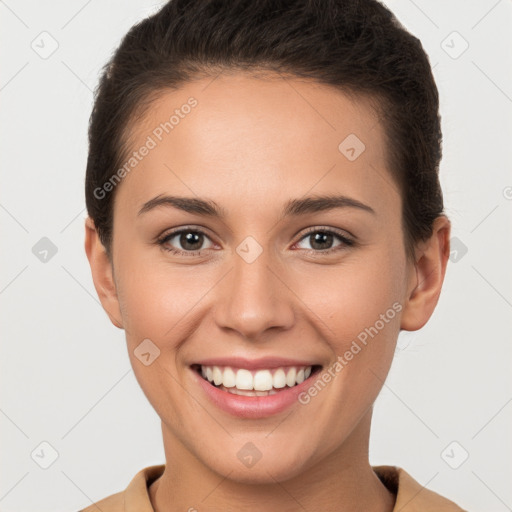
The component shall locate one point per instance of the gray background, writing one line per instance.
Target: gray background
(65, 375)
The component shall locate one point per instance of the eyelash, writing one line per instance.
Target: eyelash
(347, 242)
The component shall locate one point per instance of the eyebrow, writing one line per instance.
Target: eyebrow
(294, 207)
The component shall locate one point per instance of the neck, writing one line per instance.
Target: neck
(343, 481)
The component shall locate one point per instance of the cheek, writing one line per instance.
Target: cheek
(156, 302)
(156, 298)
(368, 314)
(361, 293)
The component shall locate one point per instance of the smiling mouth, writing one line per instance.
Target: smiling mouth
(264, 382)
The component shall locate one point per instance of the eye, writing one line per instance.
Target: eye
(321, 240)
(191, 241)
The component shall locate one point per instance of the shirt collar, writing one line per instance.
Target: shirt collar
(411, 496)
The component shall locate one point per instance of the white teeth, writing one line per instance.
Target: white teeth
(217, 375)
(262, 380)
(290, 377)
(255, 383)
(279, 379)
(244, 380)
(229, 378)
(241, 392)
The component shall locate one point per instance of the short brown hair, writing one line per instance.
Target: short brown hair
(357, 46)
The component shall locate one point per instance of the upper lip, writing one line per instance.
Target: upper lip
(254, 364)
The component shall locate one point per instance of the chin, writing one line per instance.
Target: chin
(268, 469)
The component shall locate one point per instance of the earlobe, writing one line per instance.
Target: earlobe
(102, 273)
(430, 269)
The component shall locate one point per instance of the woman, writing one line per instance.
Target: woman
(265, 216)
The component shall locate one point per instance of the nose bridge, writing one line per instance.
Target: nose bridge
(253, 299)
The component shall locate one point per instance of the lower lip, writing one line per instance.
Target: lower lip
(253, 406)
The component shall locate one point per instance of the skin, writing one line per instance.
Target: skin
(251, 145)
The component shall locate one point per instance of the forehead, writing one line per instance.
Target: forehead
(239, 137)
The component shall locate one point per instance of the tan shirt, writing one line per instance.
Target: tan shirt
(410, 495)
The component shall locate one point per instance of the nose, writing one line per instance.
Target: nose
(254, 298)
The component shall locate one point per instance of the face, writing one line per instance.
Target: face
(296, 259)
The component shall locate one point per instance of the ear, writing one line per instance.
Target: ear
(427, 276)
(102, 273)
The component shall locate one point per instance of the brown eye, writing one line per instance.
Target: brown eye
(188, 241)
(323, 241)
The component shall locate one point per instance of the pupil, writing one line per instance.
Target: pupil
(190, 239)
(319, 238)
